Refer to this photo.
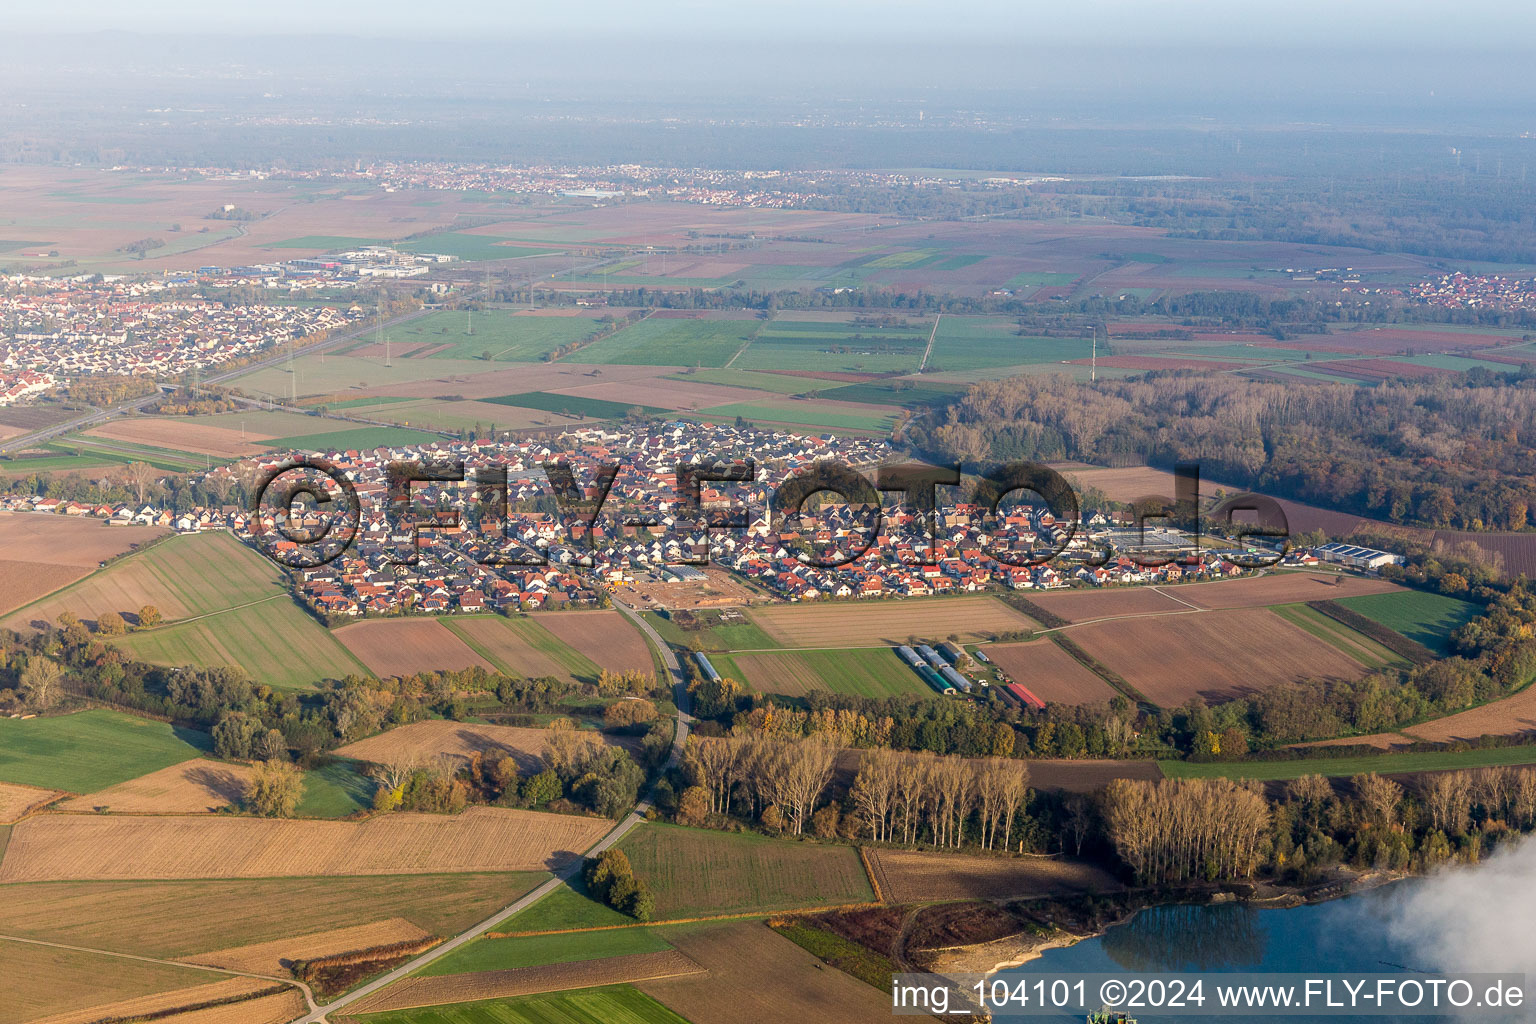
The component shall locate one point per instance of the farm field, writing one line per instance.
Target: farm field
(866, 672)
(61, 847)
(912, 876)
(402, 647)
(175, 434)
(1357, 645)
(616, 1005)
(574, 406)
(1217, 655)
(68, 540)
(358, 438)
(820, 414)
(757, 975)
(1085, 605)
(1050, 673)
(279, 1004)
(190, 787)
(23, 582)
(500, 954)
(38, 981)
(1382, 764)
(714, 635)
(681, 392)
(888, 623)
(270, 957)
(521, 647)
(605, 637)
(568, 907)
(272, 641)
(666, 342)
(973, 343)
(1513, 714)
(16, 801)
(456, 739)
(1279, 588)
(196, 574)
(182, 919)
(1427, 618)
(90, 750)
(698, 872)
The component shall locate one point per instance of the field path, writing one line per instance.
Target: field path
(317, 1014)
(309, 997)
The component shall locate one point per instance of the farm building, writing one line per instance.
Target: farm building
(1357, 557)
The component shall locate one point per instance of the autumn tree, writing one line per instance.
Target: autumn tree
(274, 789)
(41, 681)
(149, 616)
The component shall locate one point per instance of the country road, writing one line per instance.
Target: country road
(634, 818)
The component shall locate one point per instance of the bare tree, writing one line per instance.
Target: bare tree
(393, 773)
(1379, 796)
(1448, 795)
(141, 475)
(41, 681)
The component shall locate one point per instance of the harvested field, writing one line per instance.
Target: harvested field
(1084, 605)
(1513, 714)
(668, 394)
(911, 876)
(25, 582)
(757, 975)
(16, 801)
(40, 981)
(1162, 363)
(888, 622)
(525, 981)
(402, 647)
(1050, 673)
(1119, 484)
(194, 786)
(459, 739)
(177, 434)
(275, 957)
(183, 919)
(276, 1008)
(67, 540)
(607, 638)
(225, 988)
(54, 847)
(1514, 553)
(1395, 340)
(1218, 655)
(1279, 588)
(698, 872)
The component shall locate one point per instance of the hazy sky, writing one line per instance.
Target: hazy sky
(1326, 24)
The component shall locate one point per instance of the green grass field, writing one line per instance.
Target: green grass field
(619, 1004)
(761, 380)
(697, 872)
(576, 665)
(571, 405)
(1382, 764)
(1428, 618)
(906, 393)
(801, 413)
(497, 333)
(182, 918)
(335, 791)
(714, 635)
(326, 243)
(274, 642)
(874, 672)
(835, 345)
(972, 343)
(536, 951)
(658, 342)
(568, 906)
(91, 750)
(124, 452)
(358, 438)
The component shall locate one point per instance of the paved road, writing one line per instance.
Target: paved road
(635, 818)
(98, 416)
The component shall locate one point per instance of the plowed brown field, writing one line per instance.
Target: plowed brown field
(57, 846)
(1217, 655)
(402, 647)
(1083, 605)
(910, 876)
(67, 540)
(1278, 588)
(606, 637)
(1050, 673)
(226, 988)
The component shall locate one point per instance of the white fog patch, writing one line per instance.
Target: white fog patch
(1481, 918)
